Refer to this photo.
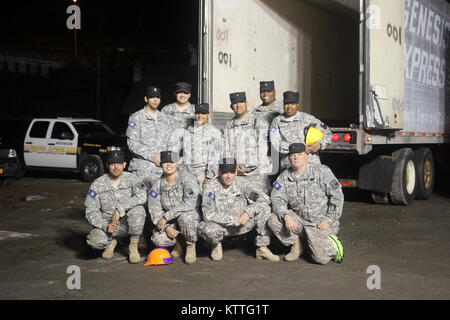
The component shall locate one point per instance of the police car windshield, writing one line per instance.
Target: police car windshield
(92, 128)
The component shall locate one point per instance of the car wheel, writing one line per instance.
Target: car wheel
(91, 168)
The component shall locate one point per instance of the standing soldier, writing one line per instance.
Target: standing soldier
(147, 135)
(307, 202)
(245, 139)
(270, 107)
(290, 128)
(232, 206)
(181, 112)
(173, 203)
(201, 146)
(114, 206)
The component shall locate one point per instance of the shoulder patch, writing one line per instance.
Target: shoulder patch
(273, 129)
(212, 196)
(131, 123)
(153, 194)
(253, 196)
(335, 184)
(277, 185)
(92, 193)
(189, 192)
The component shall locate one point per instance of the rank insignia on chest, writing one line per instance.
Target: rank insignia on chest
(153, 194)
(212, 196)
(277, 185)
(273, 129)
(92, 194)
(132, 124)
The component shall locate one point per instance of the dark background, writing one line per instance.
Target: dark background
(98, 82)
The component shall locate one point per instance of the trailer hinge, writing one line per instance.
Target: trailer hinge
(205, 30)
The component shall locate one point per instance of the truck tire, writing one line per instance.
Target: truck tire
(404, 179)
(91, 168)
(423, 157)
(379, 198)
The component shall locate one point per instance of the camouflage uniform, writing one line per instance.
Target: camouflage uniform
(268, 113)
(178, 205)
(221, 207)
(179, 118)
(246, 141)
(309, 198)
(202, 150)
(147, 137)
(103, 199)
(285, 131)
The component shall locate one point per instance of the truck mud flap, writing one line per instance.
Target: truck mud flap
(376, 175)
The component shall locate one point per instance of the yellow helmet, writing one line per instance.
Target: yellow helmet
(312, 135)
(159, 256)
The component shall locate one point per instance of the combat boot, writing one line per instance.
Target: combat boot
(177, 251)
(109, 250)
(134, 256)
(265, 253)
(295, 252)
(190, 257)
(216, 252)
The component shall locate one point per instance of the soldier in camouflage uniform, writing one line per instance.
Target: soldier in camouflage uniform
(270, 107)
(245, 139)
(114, 206)
(289, 128)
(231, 207)
(181, 112)
(201, 146)
(173, 202)
(147, 135)
(307, 202)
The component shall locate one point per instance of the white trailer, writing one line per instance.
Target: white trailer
(373, 70)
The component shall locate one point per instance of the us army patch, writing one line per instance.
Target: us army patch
(189, 192)
(277, 185)
(92, 193)
(132, 124)
(335, 184)
(273, 129)
(153, 194)
(212, 196)
(253, 196)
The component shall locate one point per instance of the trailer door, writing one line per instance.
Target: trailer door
(384, 40)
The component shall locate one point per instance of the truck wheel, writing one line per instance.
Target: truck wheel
(379, 198)
(404, 179)
(423, 158)
(91, 168)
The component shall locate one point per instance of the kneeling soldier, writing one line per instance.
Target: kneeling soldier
(307, 201)
(114, 206)
(231, 207)
(173, 202)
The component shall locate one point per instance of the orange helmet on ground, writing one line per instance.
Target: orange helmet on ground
(159, 256)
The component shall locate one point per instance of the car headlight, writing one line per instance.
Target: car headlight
(12, 153)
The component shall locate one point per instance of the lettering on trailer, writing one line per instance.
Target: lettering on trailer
(222, 35)
(429, 32)
(52, 150)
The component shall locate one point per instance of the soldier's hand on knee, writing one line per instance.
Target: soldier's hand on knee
(171, 232)
(115, 218)
(161, 223)
(111, 228)
(290, 223)
(243, 218)
(323, 225)
(313, 148)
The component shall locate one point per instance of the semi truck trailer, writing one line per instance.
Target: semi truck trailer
(375, 71)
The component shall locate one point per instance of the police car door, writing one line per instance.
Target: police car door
(35, 143)
(62, 146)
